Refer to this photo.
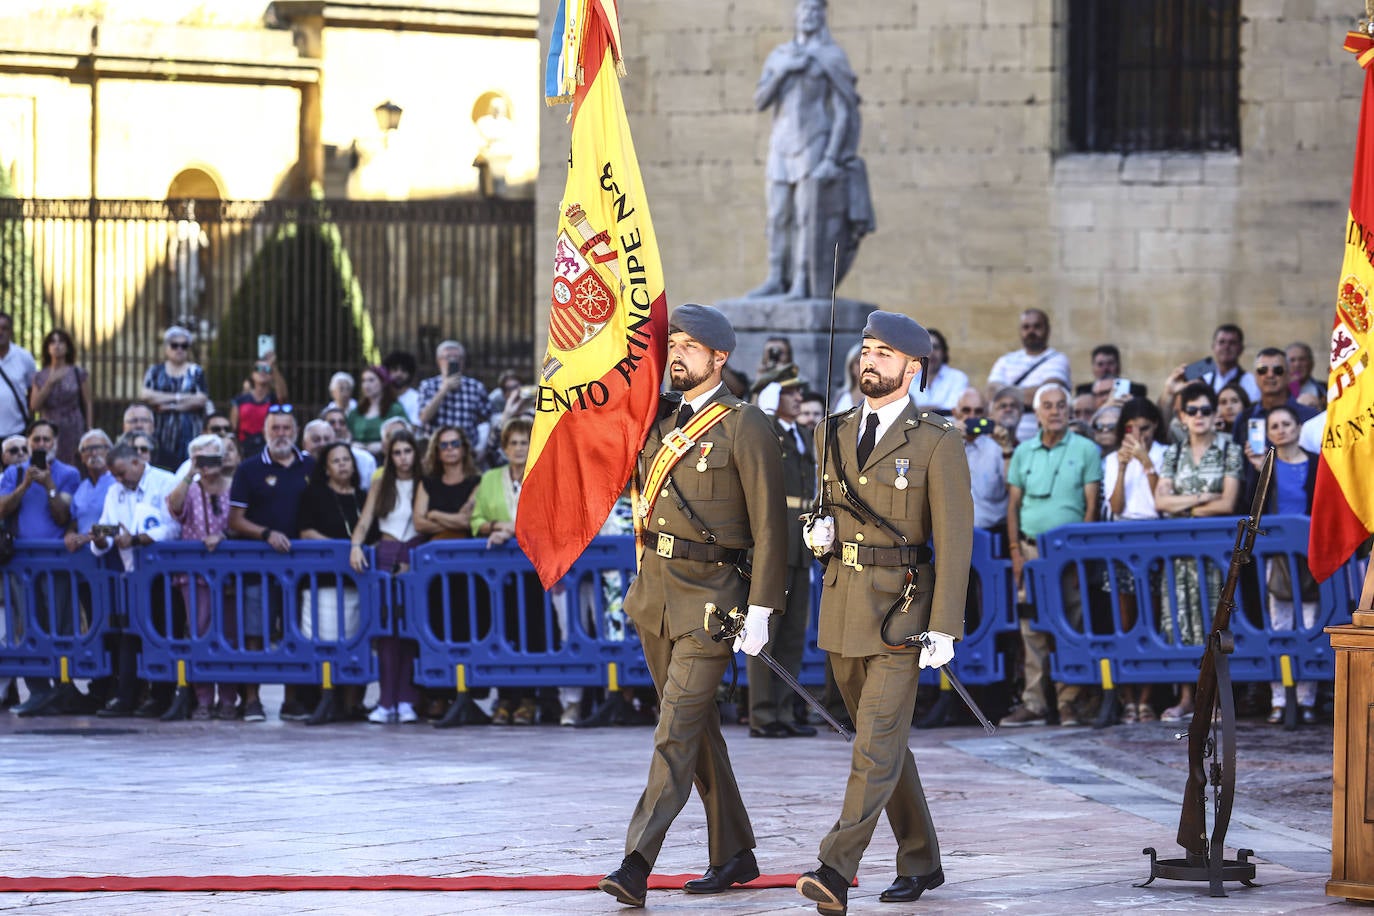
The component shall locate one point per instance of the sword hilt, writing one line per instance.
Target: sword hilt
(731, 623)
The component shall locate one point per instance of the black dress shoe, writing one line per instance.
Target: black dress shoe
(905, 890)
(115, 709)
(828, 888)
(771, 730)
(799, 729)
(630, 882)
(151, 709)
(741, 869)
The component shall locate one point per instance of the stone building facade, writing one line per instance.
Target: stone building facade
(981, 208)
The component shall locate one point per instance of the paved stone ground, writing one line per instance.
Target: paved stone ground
(1033, 821)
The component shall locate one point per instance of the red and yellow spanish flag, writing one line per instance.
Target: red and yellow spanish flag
(608, 315)
(1343, 506)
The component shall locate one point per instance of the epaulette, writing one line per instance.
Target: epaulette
(939, 421)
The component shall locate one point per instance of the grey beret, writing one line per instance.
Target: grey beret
(704, 324)
(900, 333)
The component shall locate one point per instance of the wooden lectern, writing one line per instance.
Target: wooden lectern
(1352, 808)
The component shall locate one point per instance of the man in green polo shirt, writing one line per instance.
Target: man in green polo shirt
(1053, 480)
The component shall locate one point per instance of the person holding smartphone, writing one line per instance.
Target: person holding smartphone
(200, 503)
(1271, 374)
(248, 410)
(35, 497)
(453, 398)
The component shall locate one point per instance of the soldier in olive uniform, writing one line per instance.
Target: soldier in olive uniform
(908, 467)
(722, 497)
(770, 700)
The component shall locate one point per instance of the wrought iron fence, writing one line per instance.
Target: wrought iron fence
(338, 283)
(1154, 75)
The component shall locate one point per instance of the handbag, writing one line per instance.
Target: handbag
(1279, 582)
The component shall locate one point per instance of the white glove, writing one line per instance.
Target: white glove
(938, 651)
(754, 636)
(819, 535)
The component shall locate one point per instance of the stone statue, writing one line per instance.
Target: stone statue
(187, 251)
(494, 157)
(817, 184)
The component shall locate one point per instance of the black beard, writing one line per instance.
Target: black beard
(876, 386)
(687, 381)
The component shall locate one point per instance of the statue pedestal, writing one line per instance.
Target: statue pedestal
(1352, 832)
(806, 324)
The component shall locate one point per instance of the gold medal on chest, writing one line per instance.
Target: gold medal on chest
(903, 465)
(701, 462)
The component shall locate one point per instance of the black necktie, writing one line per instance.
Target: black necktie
(868, 439)
(684, 414)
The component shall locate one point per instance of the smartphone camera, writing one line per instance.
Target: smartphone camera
(40, 459)
(209, 461)
(977, 426)
(1256, 436)
(1121, 388)
(105, 531)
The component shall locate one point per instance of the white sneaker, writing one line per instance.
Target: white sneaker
(572, 714)
(405, 714)
(381, 716)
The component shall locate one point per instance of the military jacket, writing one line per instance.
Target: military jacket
(934, 507)
(732, 482)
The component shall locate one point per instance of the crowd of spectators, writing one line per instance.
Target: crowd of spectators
(393, 461)
(182, 467)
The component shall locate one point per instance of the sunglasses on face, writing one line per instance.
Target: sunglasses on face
(451, 445)
(1199, 411)
(179, 345)
(1270, 370)
(144, 449)
(17, 451)
(218, 430)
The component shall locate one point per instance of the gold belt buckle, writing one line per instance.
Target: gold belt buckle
(849, 554)
(678, 443)
(664, 548)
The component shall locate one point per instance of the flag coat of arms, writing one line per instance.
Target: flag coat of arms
(1343, 504)
(602, 370)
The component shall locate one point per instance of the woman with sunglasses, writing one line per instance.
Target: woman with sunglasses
(248, 409)
(1197, 477)
(200, 503)
(61, 393)
(330, 509)
(177, 392)
(391, 503)
(450, 478)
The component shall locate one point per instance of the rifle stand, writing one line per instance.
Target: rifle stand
(1197, 868)
(1211, 865)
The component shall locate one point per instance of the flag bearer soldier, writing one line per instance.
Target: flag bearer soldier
(908, 484)
(712, 489)
(770, 700)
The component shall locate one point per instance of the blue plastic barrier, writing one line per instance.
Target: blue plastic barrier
(483, 619)
(238, 579)
(1104, 560)
(58, 606)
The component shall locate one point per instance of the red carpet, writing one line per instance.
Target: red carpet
(86, 884)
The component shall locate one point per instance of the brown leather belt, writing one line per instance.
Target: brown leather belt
(859, 555)
(676, 548)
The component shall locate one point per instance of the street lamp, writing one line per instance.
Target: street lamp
(388, 116)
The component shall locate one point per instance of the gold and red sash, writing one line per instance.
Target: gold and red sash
(674, 448)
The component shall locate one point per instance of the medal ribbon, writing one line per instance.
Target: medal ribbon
(667, 456)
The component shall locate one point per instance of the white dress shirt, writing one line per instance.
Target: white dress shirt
(886, 417)
(142, 510)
